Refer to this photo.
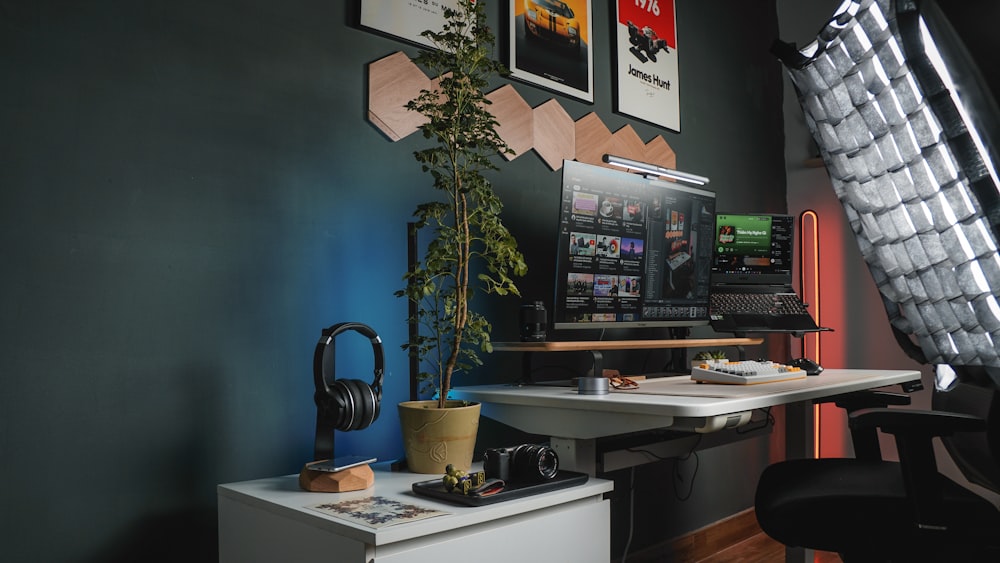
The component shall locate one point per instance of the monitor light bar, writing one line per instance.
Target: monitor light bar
(655, 170)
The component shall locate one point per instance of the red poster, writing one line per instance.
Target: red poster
(657, 15)
(647, 62)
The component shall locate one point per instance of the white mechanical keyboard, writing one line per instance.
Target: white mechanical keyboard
(746, 372)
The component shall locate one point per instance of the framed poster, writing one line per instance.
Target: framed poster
(646, 54)
(550, 45)
(405, 19)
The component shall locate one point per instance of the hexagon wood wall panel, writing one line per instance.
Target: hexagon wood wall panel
(392, 82)
(548, 129)
(626, 141)
(515, 119)
(555, 136)
(659, 152)
(593, 139)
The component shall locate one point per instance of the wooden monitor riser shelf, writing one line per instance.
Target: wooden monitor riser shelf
(588, 345)
(595, 347)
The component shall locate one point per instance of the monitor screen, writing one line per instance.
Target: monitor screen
(632, 251)
(753, 248)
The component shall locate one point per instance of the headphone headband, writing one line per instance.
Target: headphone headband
(344, 404)
(323, 360)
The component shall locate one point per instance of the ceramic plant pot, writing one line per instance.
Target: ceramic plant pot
(434, 437)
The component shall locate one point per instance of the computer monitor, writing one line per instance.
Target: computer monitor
(753, 247)
(632, 252)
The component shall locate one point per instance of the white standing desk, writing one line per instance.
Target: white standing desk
(576, 420)
(270, 520)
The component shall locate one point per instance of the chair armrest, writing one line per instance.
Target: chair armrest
(870, 399)
(913, 431)
(915, 422)
(865, 441)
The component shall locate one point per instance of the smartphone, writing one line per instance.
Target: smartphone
(340, 463)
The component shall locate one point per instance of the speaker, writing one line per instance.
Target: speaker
(344, 404)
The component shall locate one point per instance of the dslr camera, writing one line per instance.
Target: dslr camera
(527, 463)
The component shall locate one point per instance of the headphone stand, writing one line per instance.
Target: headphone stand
(343, 404)
(325, 436)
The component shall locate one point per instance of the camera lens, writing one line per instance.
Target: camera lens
(534, 322)
(534, 462)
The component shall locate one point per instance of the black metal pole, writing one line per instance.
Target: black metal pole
(411, 310)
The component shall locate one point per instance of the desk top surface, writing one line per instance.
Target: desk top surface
(667, 402)
(681, 397)
(282, 495)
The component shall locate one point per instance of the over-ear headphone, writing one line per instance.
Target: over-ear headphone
(344, 404)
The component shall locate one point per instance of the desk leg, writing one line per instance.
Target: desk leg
(526, 368)
(799, 444)
(799, 430)
(578, 455)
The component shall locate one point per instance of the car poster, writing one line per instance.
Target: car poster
(647, 77)
(405, 19)
(550, 45)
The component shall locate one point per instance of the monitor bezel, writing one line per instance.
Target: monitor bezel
(728, 277)
(561, 270)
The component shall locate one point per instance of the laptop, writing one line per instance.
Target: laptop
(751, 278)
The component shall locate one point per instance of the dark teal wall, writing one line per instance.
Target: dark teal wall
(189, 192)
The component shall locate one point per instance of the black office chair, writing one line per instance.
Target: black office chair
(916, 179)
(868, 509)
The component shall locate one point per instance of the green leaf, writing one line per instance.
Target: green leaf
(469, 238)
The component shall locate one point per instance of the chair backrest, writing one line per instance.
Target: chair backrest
(977, 455)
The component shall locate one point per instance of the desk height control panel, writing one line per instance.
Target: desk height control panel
(598, 385)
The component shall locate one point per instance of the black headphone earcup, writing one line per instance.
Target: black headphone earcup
(377, 401)
(343, 397)
(365, 404)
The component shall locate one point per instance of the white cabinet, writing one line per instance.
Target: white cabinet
(270, 520)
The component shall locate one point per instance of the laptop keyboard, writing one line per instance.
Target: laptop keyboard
(757, 304)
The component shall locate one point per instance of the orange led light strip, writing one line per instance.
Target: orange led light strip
(809, 284)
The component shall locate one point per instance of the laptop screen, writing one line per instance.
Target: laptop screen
(752, 249)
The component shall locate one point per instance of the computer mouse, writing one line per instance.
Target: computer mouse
(807, 365)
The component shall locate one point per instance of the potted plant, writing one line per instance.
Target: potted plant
(712, 357)
(471, 250)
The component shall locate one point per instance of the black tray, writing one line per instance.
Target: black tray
(563, 479)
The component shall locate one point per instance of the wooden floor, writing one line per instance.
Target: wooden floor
(737, 539)
(761, 549)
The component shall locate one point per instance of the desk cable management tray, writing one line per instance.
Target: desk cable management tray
(745, 372)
